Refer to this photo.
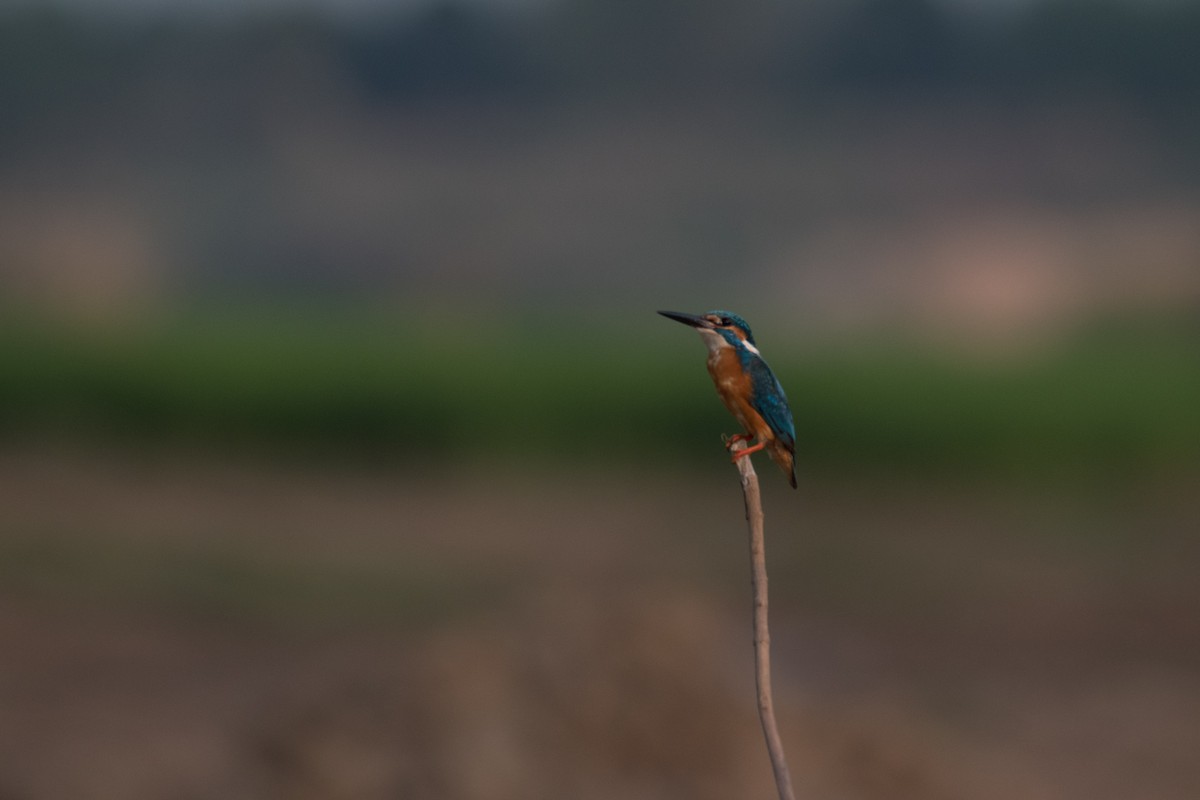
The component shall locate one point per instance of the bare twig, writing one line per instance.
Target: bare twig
(762, 634)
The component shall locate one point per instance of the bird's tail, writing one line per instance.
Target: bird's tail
(785, 459)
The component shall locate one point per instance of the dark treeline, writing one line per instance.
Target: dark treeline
(52, 64)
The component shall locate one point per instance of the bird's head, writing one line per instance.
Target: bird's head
(718, 328)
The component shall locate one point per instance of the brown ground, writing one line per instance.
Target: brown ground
(189, 628)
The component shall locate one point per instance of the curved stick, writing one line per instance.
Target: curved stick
(762, 634)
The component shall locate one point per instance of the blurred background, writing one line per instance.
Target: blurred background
(343, 456)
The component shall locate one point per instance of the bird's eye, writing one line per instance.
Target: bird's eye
(726, 321)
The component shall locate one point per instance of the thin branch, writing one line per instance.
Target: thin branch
(762, 634)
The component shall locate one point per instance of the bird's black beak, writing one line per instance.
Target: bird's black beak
(687, 319)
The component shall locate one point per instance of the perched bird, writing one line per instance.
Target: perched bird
(746, 386)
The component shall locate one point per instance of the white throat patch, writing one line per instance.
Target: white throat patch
(716, 341)
(712, 340)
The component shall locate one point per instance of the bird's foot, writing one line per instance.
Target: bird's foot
(730, 441)
(747, 451)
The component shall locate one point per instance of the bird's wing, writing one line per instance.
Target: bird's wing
(769, 400)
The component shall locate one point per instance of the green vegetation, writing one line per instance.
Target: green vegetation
(1103, 400)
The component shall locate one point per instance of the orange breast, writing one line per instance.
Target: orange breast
(734, 387)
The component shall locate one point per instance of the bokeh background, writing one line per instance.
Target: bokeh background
(343, 456)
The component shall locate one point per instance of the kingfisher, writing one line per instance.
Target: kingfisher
(746, 386)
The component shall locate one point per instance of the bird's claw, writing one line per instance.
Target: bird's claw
(743, 453)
